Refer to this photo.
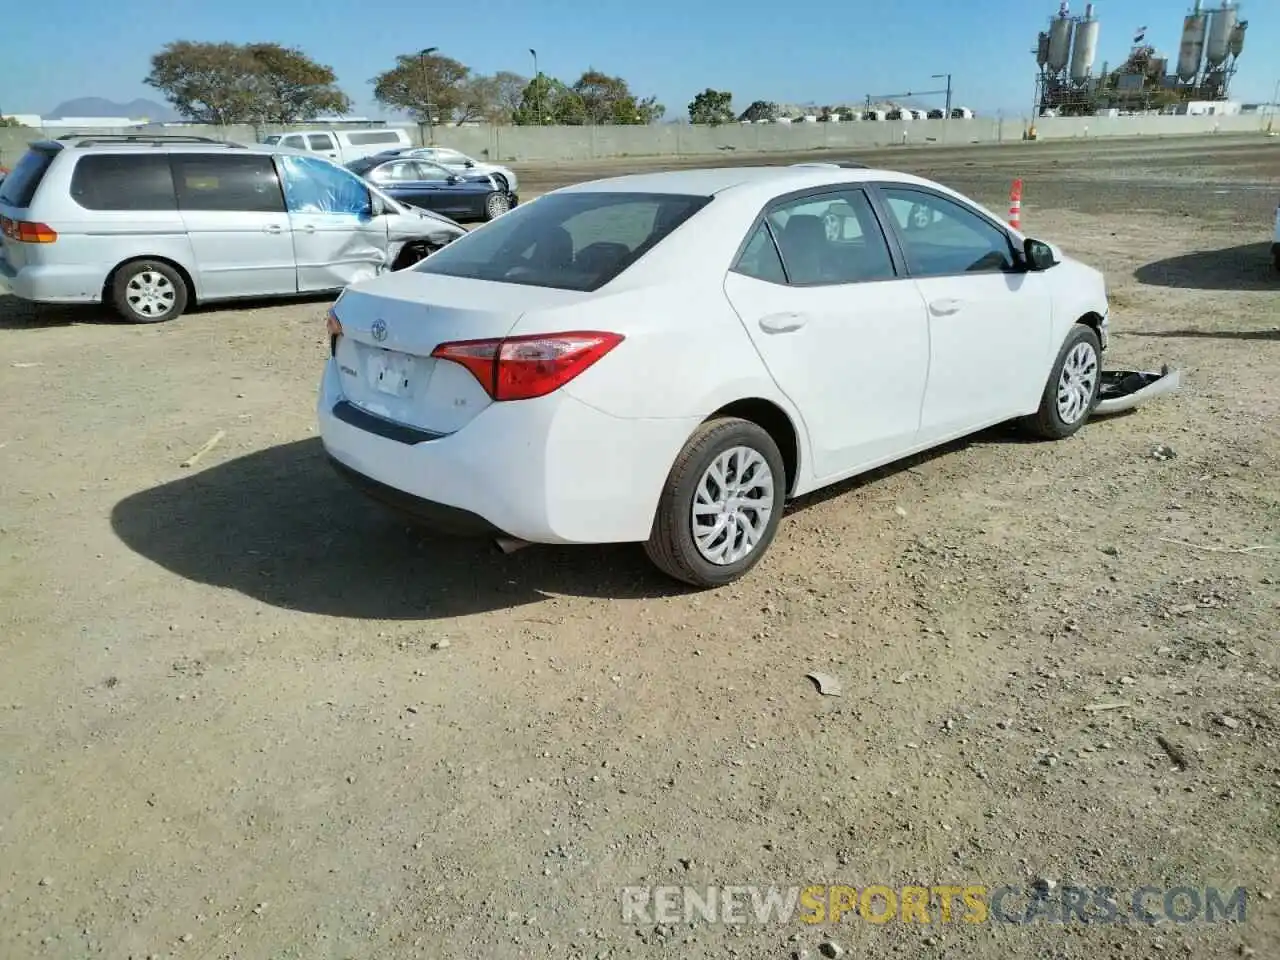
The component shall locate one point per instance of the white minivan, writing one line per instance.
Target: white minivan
(153, 224)
(343, 146)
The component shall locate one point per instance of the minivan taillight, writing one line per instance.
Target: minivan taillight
(24, 231)
(521, 368)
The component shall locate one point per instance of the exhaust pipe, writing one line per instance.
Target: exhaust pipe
(510, 545)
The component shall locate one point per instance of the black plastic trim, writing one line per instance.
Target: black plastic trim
(352, 415)
(438, 517)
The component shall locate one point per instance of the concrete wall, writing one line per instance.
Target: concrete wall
(502, 144)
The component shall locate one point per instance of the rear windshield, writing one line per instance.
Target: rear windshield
(364, 165)
(569, 241)
(20, 185)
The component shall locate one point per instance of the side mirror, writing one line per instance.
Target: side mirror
(469, 164)
(1037, 254)
(376, 207)
(454, 178)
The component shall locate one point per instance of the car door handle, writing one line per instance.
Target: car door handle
(309, 228)
(782, 322)
(273, 228)
(944, 308)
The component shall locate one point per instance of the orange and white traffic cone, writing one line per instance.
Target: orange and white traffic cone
(1015, 204)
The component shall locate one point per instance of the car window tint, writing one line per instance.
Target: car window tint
(831, 238)
(760, 258)
(293, 140)
(943, 238)
(314, 185)
(244, 184)
(570, 241)
(123, 182)
(429, 171)
(320, 141)
(19, 186)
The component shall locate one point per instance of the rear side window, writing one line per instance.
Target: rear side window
(569, 241)
(365, 139)
(241, 184)
(107, 181)
(320, 141)
(19, 187)
(760, 258)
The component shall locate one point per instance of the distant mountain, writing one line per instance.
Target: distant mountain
(98, 107)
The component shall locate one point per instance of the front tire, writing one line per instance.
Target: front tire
(721, 505)
(1071, 392)
(149, 291)
(495, 205)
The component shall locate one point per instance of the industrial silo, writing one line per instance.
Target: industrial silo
(1237, 38)
(1222, 25)
(1059, 43)
(1084, 46)
(1191, 50)
(1042, 49)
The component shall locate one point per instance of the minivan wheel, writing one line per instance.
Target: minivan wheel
(721, 505)
(1071, 392)
(149, 291)
(496, 205)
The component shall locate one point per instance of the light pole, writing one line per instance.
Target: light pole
(947, 77)
(537, 87)
(426, 88)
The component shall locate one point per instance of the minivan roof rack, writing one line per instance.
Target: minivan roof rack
(156, 139)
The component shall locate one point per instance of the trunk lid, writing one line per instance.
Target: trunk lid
(390, 326)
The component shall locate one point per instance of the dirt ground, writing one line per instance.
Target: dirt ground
(244, 713)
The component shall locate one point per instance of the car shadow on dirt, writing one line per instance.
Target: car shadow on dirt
(1208, 334)
(1246, 267)
(281, 526)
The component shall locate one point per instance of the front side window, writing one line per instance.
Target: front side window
(569, 241)
(829, 238)
(293, 140)
(943, 238)
(224, 182)
(312, 185)
(320, 141)
(428, 171)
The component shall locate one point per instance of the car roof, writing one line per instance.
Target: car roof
(142, 143)
(715, 180)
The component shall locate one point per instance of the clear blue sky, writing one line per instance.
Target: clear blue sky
(825, 51)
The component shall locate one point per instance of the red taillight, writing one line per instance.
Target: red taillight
(25, 231)
(333, 327)
(521, 368)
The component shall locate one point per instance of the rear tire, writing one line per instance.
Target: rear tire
(149, 291)
(1071, 392)
(731, 472)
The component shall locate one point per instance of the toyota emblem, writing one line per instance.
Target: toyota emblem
(379, 330)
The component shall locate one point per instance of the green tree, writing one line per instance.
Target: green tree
(607, 100)
(547, 100)
(760, 110)
(418, 80)
(223, 83)
(711, 107)
(213, 83)
(294, 87)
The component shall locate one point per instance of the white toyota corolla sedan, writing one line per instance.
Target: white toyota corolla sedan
(668, 358)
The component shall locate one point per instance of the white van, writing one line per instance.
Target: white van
(343, 146)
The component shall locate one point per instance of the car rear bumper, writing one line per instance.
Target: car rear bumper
(52, 284)
(548, 470)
